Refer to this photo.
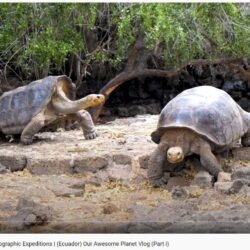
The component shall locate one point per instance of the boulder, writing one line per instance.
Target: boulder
(203, 179)
(242, 154)
(29, 213)
(241, 173)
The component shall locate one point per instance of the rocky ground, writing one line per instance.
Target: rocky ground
(63, 183)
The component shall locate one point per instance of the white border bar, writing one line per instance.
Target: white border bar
(125, 241)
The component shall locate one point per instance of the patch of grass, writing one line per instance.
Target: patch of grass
(239, 199)
(197, 193)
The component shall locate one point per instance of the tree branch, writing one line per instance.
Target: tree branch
(136, 68)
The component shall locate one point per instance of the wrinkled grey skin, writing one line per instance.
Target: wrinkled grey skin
(215, 122)
(27, 109)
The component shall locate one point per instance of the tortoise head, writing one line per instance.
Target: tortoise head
(95, 100)
(175, 154)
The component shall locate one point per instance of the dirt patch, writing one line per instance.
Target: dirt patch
(68, 184)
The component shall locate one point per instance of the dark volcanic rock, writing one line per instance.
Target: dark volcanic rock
(29, 213)
(244, 103)
(153, 108)
(241, 153)
(43, 166)
(122, 159)
(122, 112)
(137, 110)
(237, 85)
(179, 193)
(66, 187)
(16, 163)
(171, 211)
(234, 214)
(91, 164)
(241, 173)
(203, 179)
(143, 161)
(236, 95)
(236, 186)
(185, 217)
(3, 169)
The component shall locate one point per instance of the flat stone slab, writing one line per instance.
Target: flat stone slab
(241, 154)
(68, 184)
(67, 152)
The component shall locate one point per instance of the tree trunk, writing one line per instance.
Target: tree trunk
(136, 67)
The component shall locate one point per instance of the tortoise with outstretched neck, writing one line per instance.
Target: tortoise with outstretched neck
(203, 121)
(25, 110)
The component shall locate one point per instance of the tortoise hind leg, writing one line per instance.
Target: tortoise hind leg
(36, 123)
(86, 123)
(245, 140)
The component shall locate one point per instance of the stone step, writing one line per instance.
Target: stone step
(120, 144)
(242, 153)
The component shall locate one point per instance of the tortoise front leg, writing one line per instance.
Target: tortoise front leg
(32, 128)
(155, 167)
(86, 123)
(208, 159)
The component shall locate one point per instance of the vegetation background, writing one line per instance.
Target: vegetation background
(82, 39)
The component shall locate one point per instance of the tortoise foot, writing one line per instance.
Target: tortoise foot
(159, 182)
(26, 141)
(91, 136)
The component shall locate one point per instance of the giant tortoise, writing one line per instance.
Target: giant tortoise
(25, 110)
(203, 121)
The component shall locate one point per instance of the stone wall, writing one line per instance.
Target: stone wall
(150, 95)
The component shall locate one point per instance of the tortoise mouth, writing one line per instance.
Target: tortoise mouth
(175, 154)
(175, 160)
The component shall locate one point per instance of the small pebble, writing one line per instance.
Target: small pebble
(179, 193)
(110, 208)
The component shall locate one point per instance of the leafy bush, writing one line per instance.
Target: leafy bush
(37, 39)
